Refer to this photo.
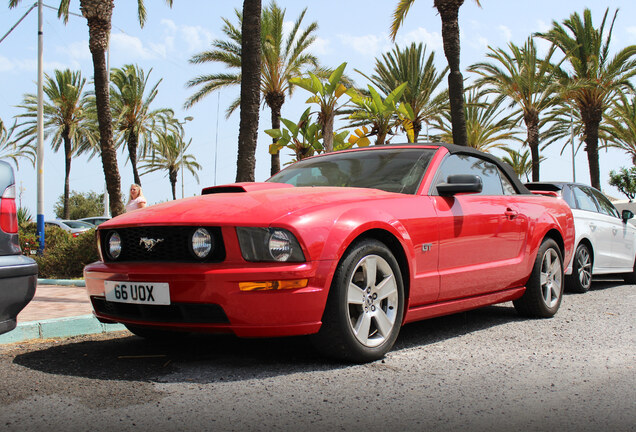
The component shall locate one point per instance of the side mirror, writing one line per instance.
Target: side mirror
(460, 183)
(627, 215)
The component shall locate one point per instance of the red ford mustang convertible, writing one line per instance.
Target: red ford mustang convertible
(346, 246)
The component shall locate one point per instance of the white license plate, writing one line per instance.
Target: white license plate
(156, 293)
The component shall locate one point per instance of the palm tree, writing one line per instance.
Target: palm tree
(65, 121)
(521, 163)
(380, 114)
(620, 129)
(169, 154)
(486, 126)
(522, 78)
(98, 14)
(11, 150)
(411, 66)
(326, 94)
(282, 59)
(250, 90)
(135, 122)
(449, 12)
(595, 78)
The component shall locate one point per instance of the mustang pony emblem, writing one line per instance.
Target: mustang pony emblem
(149, 243)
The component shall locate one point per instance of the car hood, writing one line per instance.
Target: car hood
(258, 204)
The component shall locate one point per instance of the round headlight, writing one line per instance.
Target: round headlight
(280, 245)
(114, 245)
(201, 243)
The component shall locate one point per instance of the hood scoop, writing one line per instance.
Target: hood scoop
(243, 187)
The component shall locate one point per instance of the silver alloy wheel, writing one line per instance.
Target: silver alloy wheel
(372, 300)
(551, 278)
(584, 262)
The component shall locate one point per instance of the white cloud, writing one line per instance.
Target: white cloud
(367, 44)
(507, 34)
(320, 46)
(433, 41)
(543, 27)
(76, 51)
(125, 48)
(631, 31)
(197, 38)
(6, 64)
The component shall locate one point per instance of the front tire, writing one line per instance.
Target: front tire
(365, 306)
(580, 280)
(544, 289)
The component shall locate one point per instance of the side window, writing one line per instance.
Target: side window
(508, 188)
(584, 200)
(463, 164)
(604, 204)
(566, 193)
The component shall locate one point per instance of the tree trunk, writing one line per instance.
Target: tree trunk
(172, 174)
(98, 14)
(591, 117)
(275, 103)
(133, 144)
(68, 155)
(327, 132)
(449, 11)
(250, 90)
(531, 120)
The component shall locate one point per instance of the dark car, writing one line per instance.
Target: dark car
(18, 274)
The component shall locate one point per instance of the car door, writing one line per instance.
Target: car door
(481, 235)
(622, 235)
(599, 228)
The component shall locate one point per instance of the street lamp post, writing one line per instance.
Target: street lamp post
(185, 120)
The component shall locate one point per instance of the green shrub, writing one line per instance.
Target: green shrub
(64, 256)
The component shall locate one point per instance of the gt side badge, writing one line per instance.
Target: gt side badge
(426, 247)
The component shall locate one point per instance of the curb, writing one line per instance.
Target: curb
(58, 328)
(64, 282)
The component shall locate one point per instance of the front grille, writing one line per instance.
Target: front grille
(189, 313)
(173, 244)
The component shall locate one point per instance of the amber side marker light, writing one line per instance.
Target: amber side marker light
(273, 285)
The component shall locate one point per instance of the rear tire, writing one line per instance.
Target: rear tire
(544, 290)
(580, 280)
(365, 306)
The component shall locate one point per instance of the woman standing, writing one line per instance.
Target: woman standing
(136, 199)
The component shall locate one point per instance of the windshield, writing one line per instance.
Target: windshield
(77, 224)
(391, 170)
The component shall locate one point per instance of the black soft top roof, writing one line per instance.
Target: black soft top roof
(512, 176)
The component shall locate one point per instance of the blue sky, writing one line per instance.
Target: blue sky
(352, 31)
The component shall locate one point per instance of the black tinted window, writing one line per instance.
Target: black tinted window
(566, 194)
(605, 206)
(584, 200)
(391, 170)
(462, 164)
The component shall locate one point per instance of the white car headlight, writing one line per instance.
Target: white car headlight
(114, 245)
(202, 243)
(269, 244)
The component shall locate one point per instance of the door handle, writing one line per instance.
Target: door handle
(593, 226)
(614, 231)
(510, 213)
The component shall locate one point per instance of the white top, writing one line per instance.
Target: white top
(135, 204)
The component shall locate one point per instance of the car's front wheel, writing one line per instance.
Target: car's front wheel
(364, 310)
(544, 289)
(580, 280)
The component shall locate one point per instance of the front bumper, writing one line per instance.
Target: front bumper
(206, 297)
(18, 280)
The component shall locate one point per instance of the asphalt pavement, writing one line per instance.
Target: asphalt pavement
(60, 308)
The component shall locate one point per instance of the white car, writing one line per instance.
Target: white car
(95, 220)
(73, 226)
(605, 242)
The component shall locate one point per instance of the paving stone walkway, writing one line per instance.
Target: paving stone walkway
(55, 301)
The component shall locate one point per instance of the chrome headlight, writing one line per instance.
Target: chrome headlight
(202, 243)
(113, 244)
(269, 244)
